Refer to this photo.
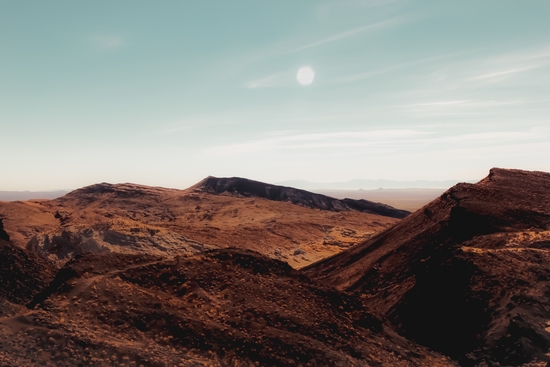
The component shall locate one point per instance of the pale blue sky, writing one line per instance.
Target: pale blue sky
(167, 92)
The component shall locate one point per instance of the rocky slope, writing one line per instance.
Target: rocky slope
(22, 275)
(464, 281)
(226, 307)
(468, 275)
(250, 188)
(130, 218)
(4, 236)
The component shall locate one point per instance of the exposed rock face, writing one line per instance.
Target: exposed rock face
(250, 188)
(69, 241)
(225, 307)
(469, 275)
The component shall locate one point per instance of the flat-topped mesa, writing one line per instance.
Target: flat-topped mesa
(467, 275)
(250, 188)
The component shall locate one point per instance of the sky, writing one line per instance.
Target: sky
(165, 93)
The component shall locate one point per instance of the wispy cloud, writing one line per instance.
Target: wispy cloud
(352, 32)
(173, 130)
(365, 75)
(457, 77)
(458, 107)
(108, 42)
(345, 139)
(373, 3)
(465, 103)
(292, 46)
(498, 69)
(519, 57)
(268, 81)
(437, 104)
(492, 136)
(390, 140)
(505, 73)
(392, 68)
(279, 79)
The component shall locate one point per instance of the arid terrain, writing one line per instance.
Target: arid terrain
(222, 308)
(296, 226)
(468, 275)
(465, 281)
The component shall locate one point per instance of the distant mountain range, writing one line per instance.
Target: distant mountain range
(29, 195)
(367, 184)
(355, 184)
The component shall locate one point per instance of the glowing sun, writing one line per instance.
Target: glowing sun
(305, 75)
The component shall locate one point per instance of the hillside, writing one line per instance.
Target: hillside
(226, 307)
(469, 275)
(464, 281)
(129, 218)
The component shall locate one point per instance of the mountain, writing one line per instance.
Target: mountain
(463, 281)
(250, 188)
(130, 218)
(222, 307)
(468, 275)
(226, 307)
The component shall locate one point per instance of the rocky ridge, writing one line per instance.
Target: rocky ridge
(251, 188)
(468, 275)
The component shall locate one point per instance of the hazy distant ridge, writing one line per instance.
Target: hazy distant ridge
(28, 195)
(246, 187)
(367, 184)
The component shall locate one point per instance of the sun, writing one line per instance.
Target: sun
(305, 75)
